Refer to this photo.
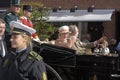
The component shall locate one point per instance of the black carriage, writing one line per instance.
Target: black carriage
(66, 65)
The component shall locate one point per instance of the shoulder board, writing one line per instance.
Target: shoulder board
(5, 63)
(9, 14)
(22, 17)
(35, 55)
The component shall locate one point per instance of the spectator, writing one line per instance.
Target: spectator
(118, 47)
(3, 49)
(112, 46)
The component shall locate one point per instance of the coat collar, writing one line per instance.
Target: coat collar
(23, 54)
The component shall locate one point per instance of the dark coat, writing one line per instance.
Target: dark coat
(8, 18)
(24, 66)
(1, 57)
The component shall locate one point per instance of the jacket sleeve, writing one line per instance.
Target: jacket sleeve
(7, 20)
(38, 71)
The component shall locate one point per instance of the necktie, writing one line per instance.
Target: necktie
(2, 49)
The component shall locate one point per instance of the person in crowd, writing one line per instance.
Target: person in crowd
(118, 47)
(11, 16)
(104, 49)
(23, 63)
(25, 19)
(63, 37)
(3, 49)
(112, 46)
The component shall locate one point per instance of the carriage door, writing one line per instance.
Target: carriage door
(95, 29)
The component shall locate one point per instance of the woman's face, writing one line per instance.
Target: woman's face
(64, 34)
(18, 42)
(27, 13)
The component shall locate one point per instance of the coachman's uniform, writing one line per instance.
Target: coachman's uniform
(27, 22)
(11, 16)
(8, 18)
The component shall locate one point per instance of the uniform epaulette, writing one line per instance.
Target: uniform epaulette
(35, 55)
(22, 17)
(9, 14)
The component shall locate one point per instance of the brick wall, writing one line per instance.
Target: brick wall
(82, 4)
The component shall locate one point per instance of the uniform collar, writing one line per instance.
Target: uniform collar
(23, 54)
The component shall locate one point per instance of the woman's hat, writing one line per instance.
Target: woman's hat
(19, 28)
(27, 7)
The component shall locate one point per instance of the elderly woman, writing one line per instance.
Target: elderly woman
(23, 63)
(63, 37)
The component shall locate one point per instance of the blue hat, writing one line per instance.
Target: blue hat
(27, 7)
(16, 2)
(19, 28)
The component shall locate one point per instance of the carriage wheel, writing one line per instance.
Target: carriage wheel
(51, 73)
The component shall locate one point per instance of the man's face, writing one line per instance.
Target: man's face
(2, 29)
(15, 9)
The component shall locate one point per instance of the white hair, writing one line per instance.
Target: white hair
(65, 27)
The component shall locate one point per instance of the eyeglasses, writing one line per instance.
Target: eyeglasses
(67, 33)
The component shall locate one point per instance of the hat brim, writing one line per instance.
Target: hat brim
(29, 10)
(18, 5)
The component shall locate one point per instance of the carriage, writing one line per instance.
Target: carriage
(63, 64)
